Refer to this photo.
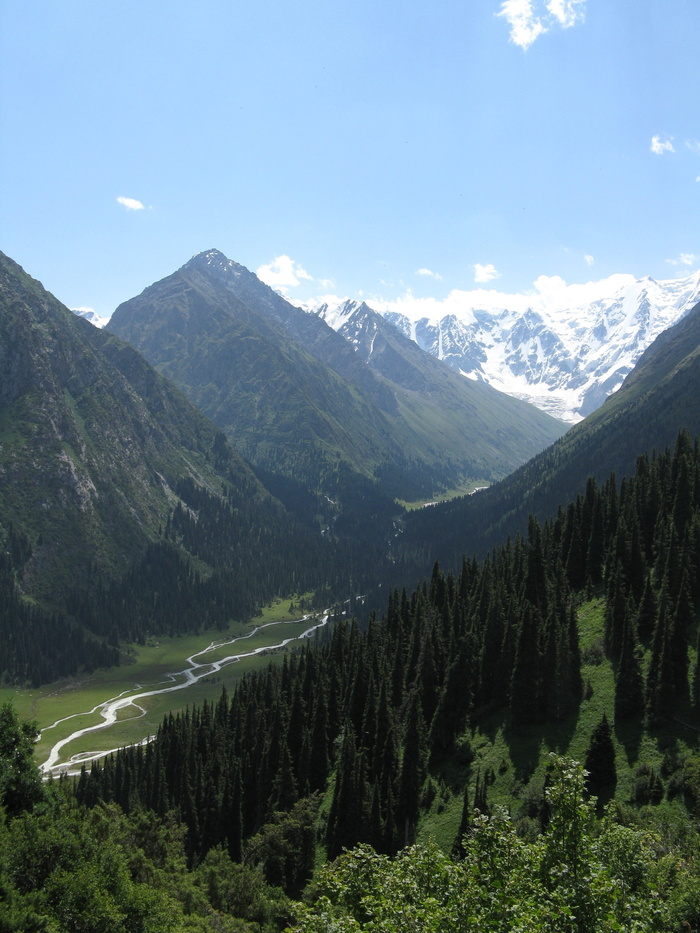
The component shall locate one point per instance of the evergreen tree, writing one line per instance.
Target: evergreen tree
(412, 772)
(600, 759)
(629, 683)
(526, 679)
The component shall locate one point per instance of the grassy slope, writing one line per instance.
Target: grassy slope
(519, 760)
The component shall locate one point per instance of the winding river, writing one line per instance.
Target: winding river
(196, 668)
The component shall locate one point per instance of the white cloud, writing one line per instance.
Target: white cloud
(131, 204)
(659, 145)
(430, 274)
(589, 259)
(282, 273)
(527, 25)
(685, 259)
(549, 293)
(485, 273)
(567, 12)
(693, 145)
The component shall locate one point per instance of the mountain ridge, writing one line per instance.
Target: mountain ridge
(656, 402)
(565, 360)
(266, 371)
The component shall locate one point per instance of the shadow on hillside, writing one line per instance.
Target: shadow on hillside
(629, 734)
(525, 743)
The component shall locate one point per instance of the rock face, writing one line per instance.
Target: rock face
(565, 361)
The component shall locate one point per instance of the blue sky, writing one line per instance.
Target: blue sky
(380, 148)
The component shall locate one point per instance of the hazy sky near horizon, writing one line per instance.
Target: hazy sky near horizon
(362, 149)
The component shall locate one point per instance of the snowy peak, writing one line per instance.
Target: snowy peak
(91, 316)
(564, 359)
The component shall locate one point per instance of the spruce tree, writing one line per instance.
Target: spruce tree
(412, 772)
(629, 683)
(600, 759)
(526, 679)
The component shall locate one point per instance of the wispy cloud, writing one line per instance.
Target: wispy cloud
(659, 145)
(589, 259)
(528, 23)
(131, 204)
(282, 273)
(485, 273)
(430, 274)
(685, 259)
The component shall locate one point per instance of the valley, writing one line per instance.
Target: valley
(125, 706)
(516, 652)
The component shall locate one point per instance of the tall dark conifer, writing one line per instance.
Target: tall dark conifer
(526, 679)
(600, 759)
(629, 683)
(413, 769)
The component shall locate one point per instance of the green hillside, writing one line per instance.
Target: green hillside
(297, 400)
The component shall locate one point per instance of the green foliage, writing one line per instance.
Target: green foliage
(20, 783)
(66, 869)
(577, 878)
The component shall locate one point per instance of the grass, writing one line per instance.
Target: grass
(518, 758)
(77, 700)
(465, 489)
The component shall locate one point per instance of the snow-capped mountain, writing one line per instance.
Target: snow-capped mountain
(565, 360)
(91, 316)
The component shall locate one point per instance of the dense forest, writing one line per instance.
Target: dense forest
(337, 745)
(218, 558)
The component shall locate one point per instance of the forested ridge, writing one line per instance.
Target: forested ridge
(342, 742)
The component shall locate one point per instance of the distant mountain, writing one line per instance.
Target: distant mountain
(564, 360)
(299, 402)
(91, 316)
(657, 400)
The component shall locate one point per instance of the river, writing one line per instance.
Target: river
(57, 763)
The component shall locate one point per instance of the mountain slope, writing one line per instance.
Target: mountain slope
(565, 360)
(299, 401)
(92, 439)
(123, 509)
(657, 400)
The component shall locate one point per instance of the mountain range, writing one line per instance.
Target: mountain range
(126, 512)
(565, 360)
(298, 402)
(123, 509)
(657, 400)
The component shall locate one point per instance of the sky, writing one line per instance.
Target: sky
(355, 148)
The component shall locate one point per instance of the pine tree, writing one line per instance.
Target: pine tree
(412, 773)
(600, 759)
(629, 683)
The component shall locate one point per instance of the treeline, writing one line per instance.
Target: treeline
(378, 708)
